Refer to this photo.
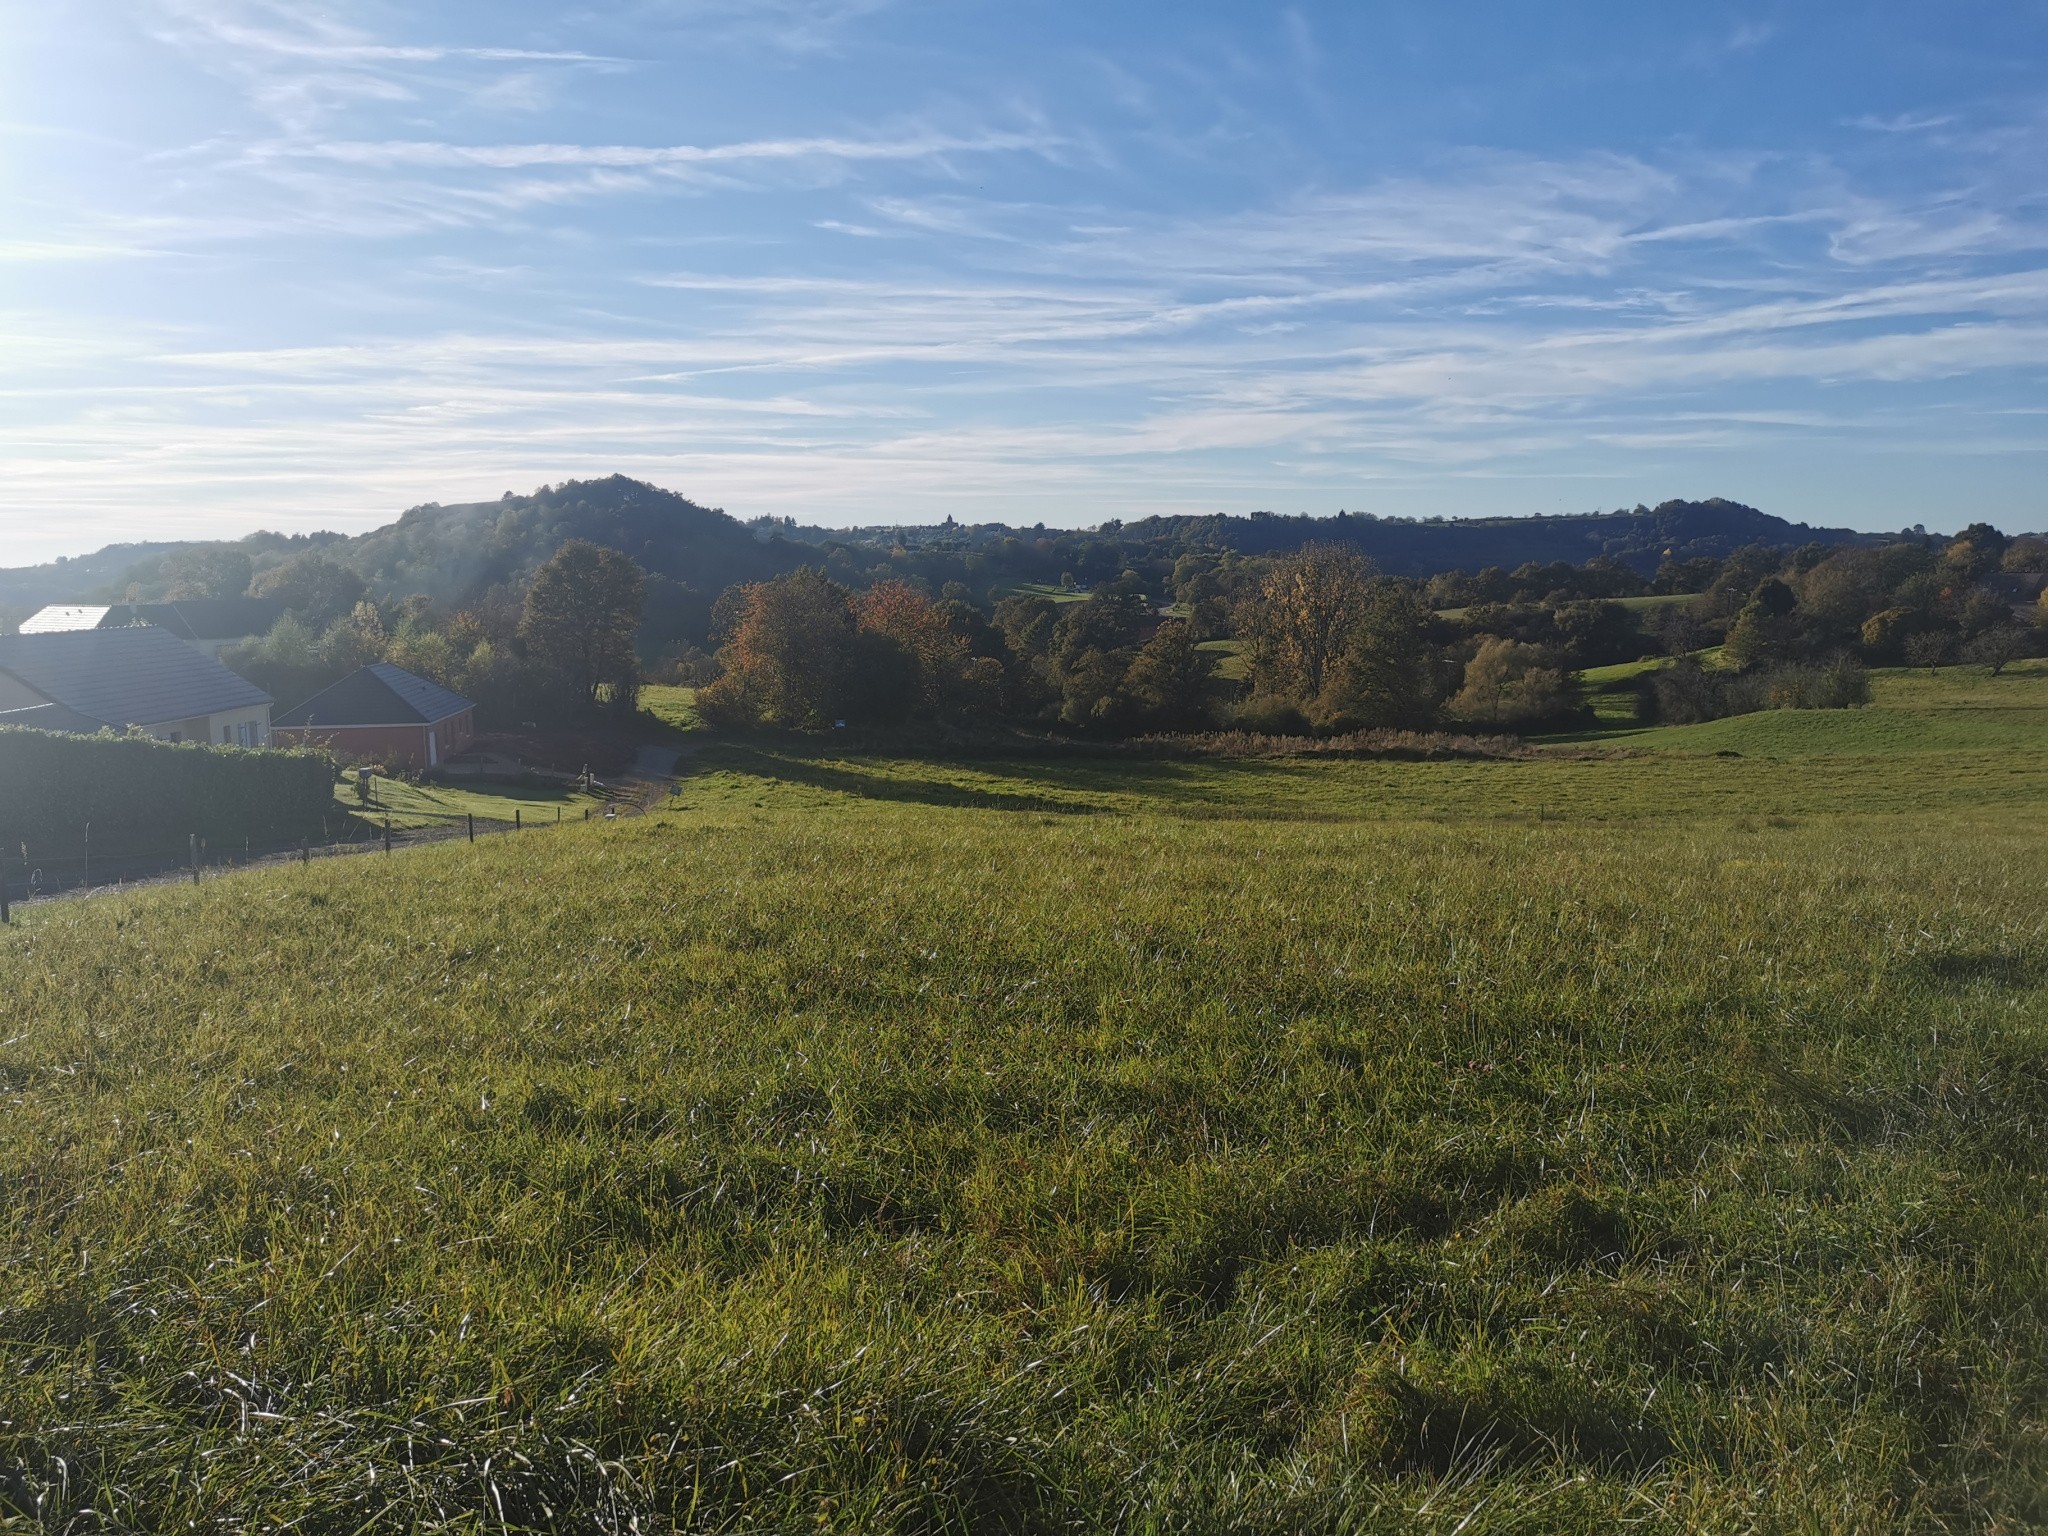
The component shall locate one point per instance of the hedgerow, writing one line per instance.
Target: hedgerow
(142, 796)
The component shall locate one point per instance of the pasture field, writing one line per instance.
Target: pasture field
(1230, 654)
(439, 805)
(670, 704)
(1049, 590)
(1545, 1144)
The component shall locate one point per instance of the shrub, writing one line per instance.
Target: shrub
(1837, 683)
(143, 796)
(1686, 693)
(1518, 686)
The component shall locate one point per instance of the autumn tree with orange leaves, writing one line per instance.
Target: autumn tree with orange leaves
(804, 652)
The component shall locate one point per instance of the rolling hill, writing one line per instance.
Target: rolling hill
(454, 552)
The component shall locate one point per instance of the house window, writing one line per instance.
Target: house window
(247, 730)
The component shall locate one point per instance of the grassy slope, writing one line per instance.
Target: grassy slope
(1958, 710)
(437, 805)
(1175, 1146)
(672, 705)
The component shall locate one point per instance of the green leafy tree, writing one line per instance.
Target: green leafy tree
(1764, 630)
(1839, 593)
(355, 641)
(1975, 553)
(1884, 634)
(208, 571)
(1509, 683)
(1172, 678)
(316, 586)
(1388, 673)
(582, 612)
(1093, 646)
(1597, 633)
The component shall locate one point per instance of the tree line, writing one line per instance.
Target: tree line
(1313, 640)
(561, 647)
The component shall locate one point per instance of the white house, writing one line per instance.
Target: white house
(138, 676)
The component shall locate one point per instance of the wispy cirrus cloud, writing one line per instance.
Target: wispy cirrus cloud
(444, 156)
(439, 253)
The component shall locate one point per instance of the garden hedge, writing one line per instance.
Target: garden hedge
(146, 797)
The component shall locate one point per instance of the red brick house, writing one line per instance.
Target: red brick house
(381, 714)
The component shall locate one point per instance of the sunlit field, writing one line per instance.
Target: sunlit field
(1650, 1136)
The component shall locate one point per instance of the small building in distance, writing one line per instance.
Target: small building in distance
(2019, 590)
(138, 677)
(385, 714)
(209, 625)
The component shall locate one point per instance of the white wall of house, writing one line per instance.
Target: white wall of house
(248, 727)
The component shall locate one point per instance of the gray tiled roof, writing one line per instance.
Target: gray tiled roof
(379, 694)
(139, 675)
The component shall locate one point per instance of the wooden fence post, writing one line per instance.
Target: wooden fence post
(471, 819)
(192, 852)
(518, 824)
(387, 834)
(305, 851)
(4, 917)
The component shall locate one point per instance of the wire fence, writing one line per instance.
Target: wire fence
(30, 874)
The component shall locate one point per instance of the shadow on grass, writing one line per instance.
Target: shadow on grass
(841, 778)
(1205, 789)
(1958, 971)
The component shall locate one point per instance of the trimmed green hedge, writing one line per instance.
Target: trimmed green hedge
(146, 797)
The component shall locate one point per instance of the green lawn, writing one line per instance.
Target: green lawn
(1231, 664)
(1646, 1140)
(1611, 691)
(431, 805)
(1963, 711)
(674, 706)
(1045, 589)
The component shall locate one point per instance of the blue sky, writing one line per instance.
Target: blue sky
(292, 265)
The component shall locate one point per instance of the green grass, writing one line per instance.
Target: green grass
(1611, 690)
(880, 1145)
(673, 706)
(1046, 589)
(1972, 718)
(434, 805)
(1231, 664)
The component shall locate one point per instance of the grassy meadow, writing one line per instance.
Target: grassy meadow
(672, 705)
(1644, 1134)
(408, 805)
